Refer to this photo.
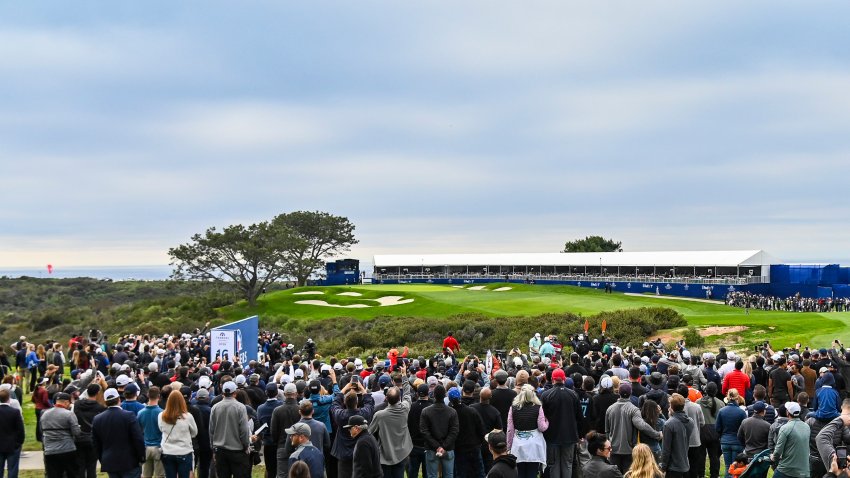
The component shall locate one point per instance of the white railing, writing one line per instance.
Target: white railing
(726, 280)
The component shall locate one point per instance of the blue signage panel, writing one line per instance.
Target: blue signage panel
(245, 333)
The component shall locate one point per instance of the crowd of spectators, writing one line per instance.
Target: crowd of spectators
(158, 406)
(795, 303)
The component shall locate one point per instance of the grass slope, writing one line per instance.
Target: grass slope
(438, 301)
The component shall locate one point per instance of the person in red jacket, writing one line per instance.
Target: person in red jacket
(736, 379)
(450, 344)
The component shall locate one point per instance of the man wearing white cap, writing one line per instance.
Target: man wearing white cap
(118, 440)
(534, 345)
(792, 446)
(229, 436)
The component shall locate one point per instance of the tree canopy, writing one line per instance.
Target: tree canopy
(249, 258)
(593, 244)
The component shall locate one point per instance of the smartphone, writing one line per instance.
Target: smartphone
(841, 454)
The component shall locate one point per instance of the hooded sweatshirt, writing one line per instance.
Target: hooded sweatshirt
(504, 466)
(674, 449)
(826, 401)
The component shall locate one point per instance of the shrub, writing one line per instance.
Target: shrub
(693, 339)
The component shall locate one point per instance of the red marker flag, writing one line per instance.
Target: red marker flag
(586, 325)
(604, 326)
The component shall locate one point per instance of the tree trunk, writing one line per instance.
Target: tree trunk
(302, 280)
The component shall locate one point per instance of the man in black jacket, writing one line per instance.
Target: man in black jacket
(366, 462)
(12, 438)
(85, 410)
(284, 417)
(118, 438)
(468, 463)
(492, 421)
(439, 427)
(562, 408)
(417, 455)
(504, 464)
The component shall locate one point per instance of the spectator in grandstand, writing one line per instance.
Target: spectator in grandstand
(118, 439)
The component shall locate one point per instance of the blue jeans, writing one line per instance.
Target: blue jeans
(177, 465)
(729, 454)
(12, 460)
(433, 462)
(132, 473)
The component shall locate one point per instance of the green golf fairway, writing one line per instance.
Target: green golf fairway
(782, 329)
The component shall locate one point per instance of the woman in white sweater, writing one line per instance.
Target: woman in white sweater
(177, 427)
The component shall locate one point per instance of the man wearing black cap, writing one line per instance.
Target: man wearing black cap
(416, 466)
(504, 464)
(264, 414)
(366, 461)
(85, 410)
(60, 429)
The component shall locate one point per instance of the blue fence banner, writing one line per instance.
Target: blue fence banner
(241, 336)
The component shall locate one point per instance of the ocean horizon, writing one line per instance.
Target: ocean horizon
(116, 273)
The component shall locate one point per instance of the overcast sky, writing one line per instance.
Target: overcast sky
(434, 126)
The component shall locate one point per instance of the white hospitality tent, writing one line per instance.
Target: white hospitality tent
(754, 262)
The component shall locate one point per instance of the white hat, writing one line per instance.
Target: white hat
(517, 362)
(537, 335)
(793, 409)
(240, 380)
(204, 381)
(686, 355)
(110, 394)
(153, 367)
(606, 382)
(228, 388)
(326, 368)
(299, 373)
(122, 381)
(338, 366)
(646, 344)
(125, 367)
(358, 363)
(6, 386)
(284, 379)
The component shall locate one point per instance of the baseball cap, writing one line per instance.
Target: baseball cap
(271, 387)
(625, 389)
(384, 380)
(109, 394)
(823, 370)
(422, 389)
(299, 428)
(290, 388)
(228, 388)
(793, 409)
(759, 406)
(299, 373)
(254, 378)
(133, 389)
(240, 380)
(356, 421)
(203, 393)
(122, 381)
(315, 387)
(559, 375)
(326, 368)
(454, 393)
(204, 382)
(606, 382)
(358, 364)
(64, 396)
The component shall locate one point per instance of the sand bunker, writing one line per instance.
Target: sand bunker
(458, 286)
(502, 289)
(309, 292)
(477, 287)
(721, 330)
(322, 303)
(351, 294)
(392, 300)
(382, 302)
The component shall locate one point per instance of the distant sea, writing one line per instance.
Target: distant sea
(117, 273)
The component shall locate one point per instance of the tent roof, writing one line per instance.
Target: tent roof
(610, 259)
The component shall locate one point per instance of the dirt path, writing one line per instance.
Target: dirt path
(670, 335)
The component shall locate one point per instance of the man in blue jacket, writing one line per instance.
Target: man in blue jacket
(118, 439)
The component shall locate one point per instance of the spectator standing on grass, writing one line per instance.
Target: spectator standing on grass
(504, 464)
(526, 425)
(677, 433)
(148, 419)
(451, 344)
(304, 451)
(439, 427)
(728, 422)
(118, 439)
(60, 429)
(367, 457)
(753, 431)
(86, 409)
(12, 437)
(563, 411)
(264, 415)
(417, 453)
(390, 424)
(600, 449)
(178, 427)
(229, 436)
(622, 423)
(492, 421)
(791, 453)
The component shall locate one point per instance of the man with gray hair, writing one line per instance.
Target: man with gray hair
(60, 428)
(391, 426)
